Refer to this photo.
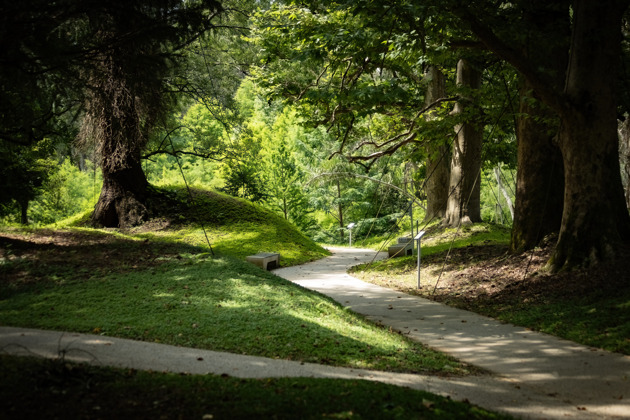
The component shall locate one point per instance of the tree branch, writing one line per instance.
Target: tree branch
(175, 153)
(409, 133)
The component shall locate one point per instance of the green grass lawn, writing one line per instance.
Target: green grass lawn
(161, 283)
(218, 304)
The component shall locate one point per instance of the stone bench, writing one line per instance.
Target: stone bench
(265, 260)
(402, 248)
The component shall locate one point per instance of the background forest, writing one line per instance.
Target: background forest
(386, 115)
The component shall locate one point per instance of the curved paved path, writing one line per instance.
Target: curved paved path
(535, 375)
(582, 380)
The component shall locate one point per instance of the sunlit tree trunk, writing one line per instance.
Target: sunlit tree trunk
(464, 189)
(624, 156)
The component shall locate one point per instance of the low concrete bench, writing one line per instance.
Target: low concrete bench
(402, 248)
(265, 260)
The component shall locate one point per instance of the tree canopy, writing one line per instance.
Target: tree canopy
(272, 101)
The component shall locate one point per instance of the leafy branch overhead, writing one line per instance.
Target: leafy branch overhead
(362, 76)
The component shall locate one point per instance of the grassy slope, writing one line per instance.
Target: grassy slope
(234, 227)
(212, 303)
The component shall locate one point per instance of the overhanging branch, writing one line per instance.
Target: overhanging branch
(544, 87)
(392, 144)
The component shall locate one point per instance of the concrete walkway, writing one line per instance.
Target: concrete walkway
(581, 381)
(535, 375)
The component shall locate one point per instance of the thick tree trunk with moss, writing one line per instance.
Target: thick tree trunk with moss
(595, 220)
(438, 156)
(464, 189)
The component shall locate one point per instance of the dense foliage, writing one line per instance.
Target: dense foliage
(328, 113)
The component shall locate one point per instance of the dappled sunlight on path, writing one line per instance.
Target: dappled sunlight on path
(585, 381)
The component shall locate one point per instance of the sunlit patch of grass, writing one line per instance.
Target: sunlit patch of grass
(435, 247)
(601, 320)
(220, 304)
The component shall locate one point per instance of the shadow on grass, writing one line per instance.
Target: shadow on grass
(218, 304)
(60, 256)
(79, 391)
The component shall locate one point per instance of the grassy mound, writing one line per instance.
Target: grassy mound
(212, 221)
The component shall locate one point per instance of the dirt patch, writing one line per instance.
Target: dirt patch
(477, 276)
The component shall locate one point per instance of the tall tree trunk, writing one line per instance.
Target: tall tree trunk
(464, 188)
(595, 219)
(624, 157)
(539, 178)
(438, 156)
(540, 174)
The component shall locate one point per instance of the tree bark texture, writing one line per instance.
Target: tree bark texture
(539, 179)
(464, 188)
(540, 174)
(438, 156)
(503, 191)
(114, 119)
(122, 198)
(595, 220)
